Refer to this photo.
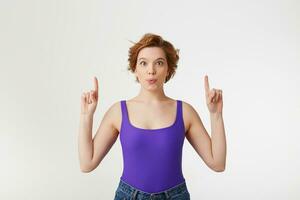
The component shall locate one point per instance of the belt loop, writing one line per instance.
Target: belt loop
(134, 194)
(167, 195)
(151, 196)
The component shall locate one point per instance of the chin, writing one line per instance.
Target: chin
(150, 87)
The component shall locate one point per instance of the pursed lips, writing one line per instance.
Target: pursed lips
(151, 79)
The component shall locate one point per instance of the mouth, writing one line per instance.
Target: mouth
(151, 81)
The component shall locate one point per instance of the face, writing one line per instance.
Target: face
(151, 65)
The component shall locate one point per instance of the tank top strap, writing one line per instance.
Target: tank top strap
(179, 115)
(124, 111)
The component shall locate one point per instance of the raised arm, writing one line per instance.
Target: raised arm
(212, 149)
(93, 150)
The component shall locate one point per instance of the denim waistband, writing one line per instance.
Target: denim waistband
(134, 192)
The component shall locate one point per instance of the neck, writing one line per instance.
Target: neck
(151, 96)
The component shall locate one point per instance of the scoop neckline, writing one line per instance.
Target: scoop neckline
(156, 129)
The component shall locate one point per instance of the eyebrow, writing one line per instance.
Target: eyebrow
(156, 59)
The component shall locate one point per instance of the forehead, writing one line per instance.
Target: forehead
(151, 53)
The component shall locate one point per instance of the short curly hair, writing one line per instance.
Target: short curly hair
(154, 40)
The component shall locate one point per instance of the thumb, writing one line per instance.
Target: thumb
(211, 96)
(93, 97)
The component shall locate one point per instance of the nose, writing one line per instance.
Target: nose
(151, 69)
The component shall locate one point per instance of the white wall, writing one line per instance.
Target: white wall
(50, 51)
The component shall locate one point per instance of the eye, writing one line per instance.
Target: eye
(142, 62)
(160, 62)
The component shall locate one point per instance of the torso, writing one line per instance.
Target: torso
(151, 116)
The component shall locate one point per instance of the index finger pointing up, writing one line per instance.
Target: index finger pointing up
(96, 84)
(206, 85)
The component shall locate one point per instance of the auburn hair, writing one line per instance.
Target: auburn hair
(153, 40)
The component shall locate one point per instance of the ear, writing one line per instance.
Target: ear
(135, 75)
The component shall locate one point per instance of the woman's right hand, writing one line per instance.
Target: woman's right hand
(89, 100)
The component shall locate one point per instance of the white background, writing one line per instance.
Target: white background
(50, 51)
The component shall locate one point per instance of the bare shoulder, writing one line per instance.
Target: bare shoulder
(188, 107)
(189, 114)
(114, 115)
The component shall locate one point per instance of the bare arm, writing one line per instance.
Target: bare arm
(85, 143)
(93, 150)
(218, 140)
(211, 150)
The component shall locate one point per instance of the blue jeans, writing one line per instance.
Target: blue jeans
(128, 192)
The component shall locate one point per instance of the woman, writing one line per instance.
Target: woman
(152, 128)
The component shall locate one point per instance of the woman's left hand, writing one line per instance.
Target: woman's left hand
(214, 98)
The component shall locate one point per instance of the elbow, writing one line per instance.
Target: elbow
(220, 168)
(85, 169)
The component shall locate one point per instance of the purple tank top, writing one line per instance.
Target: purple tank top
(152, 157)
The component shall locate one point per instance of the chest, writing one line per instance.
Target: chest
(153, 117)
